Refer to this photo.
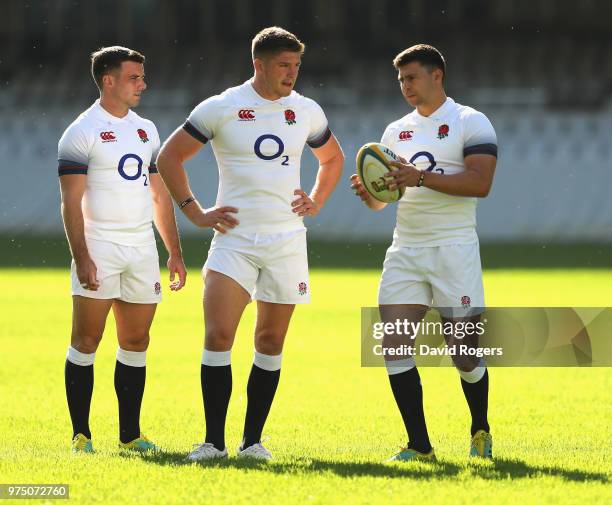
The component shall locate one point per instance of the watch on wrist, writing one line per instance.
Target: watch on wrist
(421, 180)
(186, 202)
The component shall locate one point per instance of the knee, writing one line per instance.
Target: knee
(396, 341)
(464, 364)
(269, 342)
(137, 342)
(85, 345)
(217, 339)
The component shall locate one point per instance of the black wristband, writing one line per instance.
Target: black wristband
(186, 202)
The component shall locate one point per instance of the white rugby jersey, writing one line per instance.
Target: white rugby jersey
(258, 145)
(438, 143)
(117, 155)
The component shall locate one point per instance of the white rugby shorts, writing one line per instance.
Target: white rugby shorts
(448, 278)
(271, 267)
(126, 273)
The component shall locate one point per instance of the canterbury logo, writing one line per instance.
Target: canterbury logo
(246, 115)
(406, 135)
(107, 136)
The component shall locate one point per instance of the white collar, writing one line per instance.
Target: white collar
(250, 91)
(107, 116)
(439, 112)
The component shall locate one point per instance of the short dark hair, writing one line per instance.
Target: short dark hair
(426, 55)
(273, 40)
(108, 59)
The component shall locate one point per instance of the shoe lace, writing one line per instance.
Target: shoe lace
(480, 442)
(203, 448)
(404, 449)
(258, 448)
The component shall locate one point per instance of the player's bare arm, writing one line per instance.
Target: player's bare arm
(476, 181)
(361, 192)
(180, 147)
(331, 160)
(72, 188)
(165, 222)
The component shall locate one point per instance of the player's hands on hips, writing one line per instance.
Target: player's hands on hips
(304, 205)
(406, 175)
(357, 187)
(176, 266)
(218, 218)
(87, 273)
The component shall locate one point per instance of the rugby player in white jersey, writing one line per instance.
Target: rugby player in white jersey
(448, 156)
(257, 131)
(111, 193)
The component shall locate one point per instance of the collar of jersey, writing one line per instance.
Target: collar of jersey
(439, 112)
(107, 116)
(257, 98)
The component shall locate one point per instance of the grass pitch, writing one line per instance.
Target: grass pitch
(332, 423)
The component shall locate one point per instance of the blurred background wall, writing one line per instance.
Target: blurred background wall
(540, 69)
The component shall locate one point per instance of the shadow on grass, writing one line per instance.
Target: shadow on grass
(501, 468)
(498, 469)
(314, 466)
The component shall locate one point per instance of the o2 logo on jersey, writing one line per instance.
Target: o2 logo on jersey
(268, 138)
(430, 158)
(135, 176)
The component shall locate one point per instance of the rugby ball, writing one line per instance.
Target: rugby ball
(372, 165)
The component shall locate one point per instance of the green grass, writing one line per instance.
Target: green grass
(332, 423)
(52, 251)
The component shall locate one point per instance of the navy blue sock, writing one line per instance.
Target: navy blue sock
(216, 391)
(79, 388)
(477, 396)
(261, 389)
(129, 386)
(408, 395)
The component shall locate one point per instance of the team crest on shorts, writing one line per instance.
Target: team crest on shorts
(302, 288)
(289, 117)
(465, 302)
(157, 288)
(443, 131)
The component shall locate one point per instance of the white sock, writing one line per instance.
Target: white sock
(399, 366)
(78, 358)
(267, 362)
(132, 358)
(476, 374)
(216, 358)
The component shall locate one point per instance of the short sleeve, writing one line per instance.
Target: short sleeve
(73, 152)
(319, 132)
(156, 144)
(387, 137)
(479, 135)
(201, 123)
